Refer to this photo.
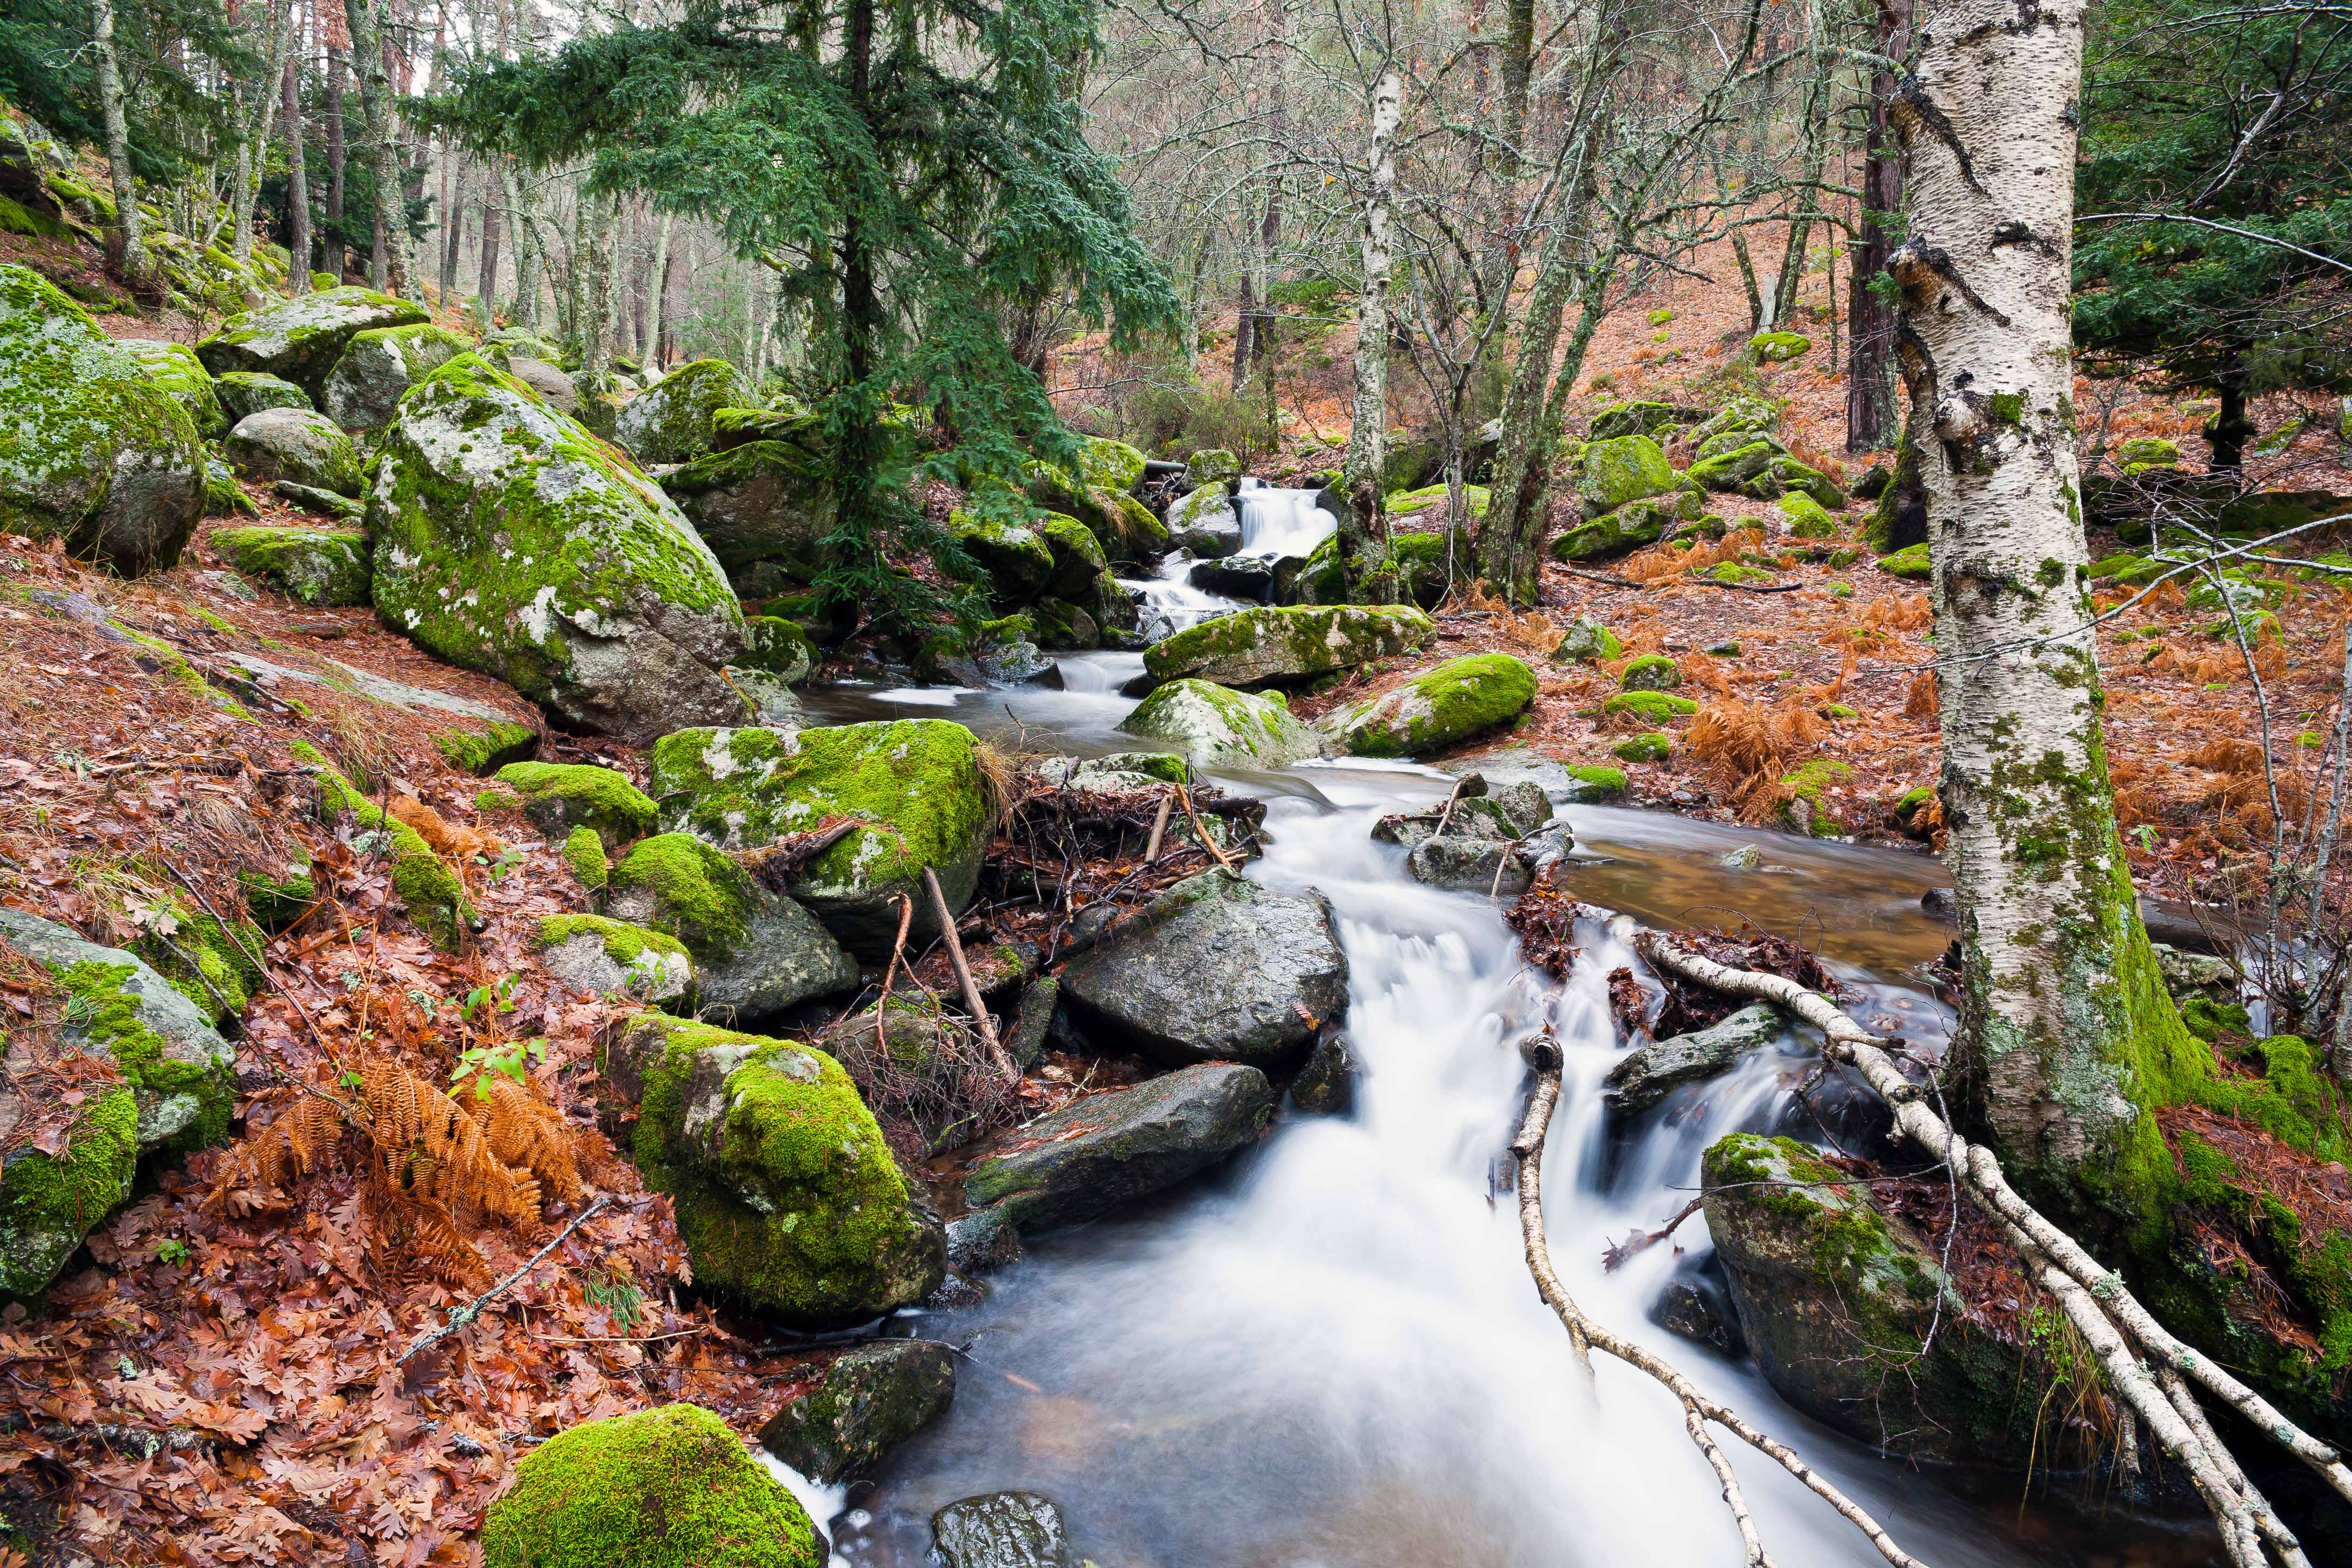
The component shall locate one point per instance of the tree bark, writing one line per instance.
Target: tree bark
(255, 128)
(1254, 322)
(1870, 412)
(2059, 996)
(339, 254)
(658, 295)
(298, 177)
(486, 280)
(126, 252)
(389, 267)
(1362, 544)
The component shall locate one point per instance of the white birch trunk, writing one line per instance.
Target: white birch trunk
(2059, 996)
(1368, 427)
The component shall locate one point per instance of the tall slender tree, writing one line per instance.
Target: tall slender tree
(1361, 544)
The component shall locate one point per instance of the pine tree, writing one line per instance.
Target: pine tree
(904, 170)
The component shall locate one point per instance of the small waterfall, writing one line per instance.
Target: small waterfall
(1276, 523)
(1170, 602)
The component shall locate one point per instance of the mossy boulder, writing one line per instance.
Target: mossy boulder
(1741, 413)
(912, 784)
(1080, 567)
(1649, 706)
(761, 501)
(1218, 727)
(244, 391)
(1206, 522)
(778, 647)
(1109, 465)
(1435, 500)
(173, 1061)
(510, 541)
(1437, 708)
(49, 1202)
(378, 366)
(316, 566)
(585, 857)
(1418, 561)
(1650, 672)
(432, 894)
(1627, 468)
(1597, 782)
(1806, 803)
(865, 1404)
(667, 1488)
(673, 421)
(757, 953)
(1107, 1150)
(1650, 746)
(1586, 641)
(1851, 1315)
(1808, 519)
(1212, 465)
(1637, 417)
(1729, 472)
(611, 958)
(92, 450)
(560, 796)
(1779, 348)
(175, 368)
(787, 1196)
(1911, 563)
(1126, 528)
(296, 445)
(1287, 643)
(1622, 531)
(1018, 562)
(299, 340)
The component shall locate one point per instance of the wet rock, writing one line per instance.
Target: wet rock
(1467, 866)
(869, 1401)
(1645, 1076)
(1219, 727)
(1327, 1084)
(1002, 1530)
(1215, 968)
(1205, 523)
(981, 1240)
(1747, 858)
(1097, 1154)
(758, 953)
(1026, 1039)
(1287, 643)
(1696, 1304)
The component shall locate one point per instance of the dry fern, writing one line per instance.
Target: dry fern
(2228, 754)
(1921, 701)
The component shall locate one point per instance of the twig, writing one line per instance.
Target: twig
(1207, 843)
(473, 1309)
(897, 956)
(1453, 798)
(1158, 827)
(980, 1018)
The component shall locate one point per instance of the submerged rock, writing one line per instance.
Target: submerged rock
(1437, 708)
(1215, 968)
(508, 540)
(1221, 728)
(667, 1488)
(1002, 1530)
(1097, 1154)
(1286, 643)
(1647, 1075)
(913, 786)
(1326, 1086)
(787, 1196)
(299, 340)
(758, 953)
(869, 1401)
(94, 452)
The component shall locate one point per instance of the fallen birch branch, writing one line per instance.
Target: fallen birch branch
(2095, 1299)
(473, 1309)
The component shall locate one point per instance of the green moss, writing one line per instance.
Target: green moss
(49, 1202)
(699, 895)
(1625, 469)
(107, 1017)
(491, 743)
(1650, 672)
(277, 901)
(1808, 519)
(432, 894)
(1407, 503)
(1807, 782)
(584, 852)
(667, 1487)
(316, 566)
(1651, 747)
(1911, 563)
(624, 945)
(560, 797)
(1778, 347)
(1460, 698)
(1289, 642)
(789, 1200)
(1656, 707)
(211, 967)
(1608, 781)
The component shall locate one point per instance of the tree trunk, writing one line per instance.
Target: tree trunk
(451, 210)
(1362, 545)
(486, 278)
(297, 178)
(339, 255)
(656, 293)
(389, 265)
(255, 128)
(1270, 229)
(1760, 316)
(2062, 1011)
(1517, 71)
(2229, 429)
(1870, 413)
(126, 252)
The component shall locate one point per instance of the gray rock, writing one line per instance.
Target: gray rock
(1002, 1530)
(1215, 968)
(1525, 804)
(1094, 1155)
(1327, 1084)
(297, 445)
(1697, 1306)
(244, 391)
(592, 962)
(763, 503)
(300, 339)
(869, 1401)
(783, 957)
(1747, 858)
(1645, 1076)
(1218, 727)
(981, 1240)
(2188, 974)
(1026, 1039)
(550, 382)
(1470, 866)
(1475, 819)
(378, 367)
(1205, 523)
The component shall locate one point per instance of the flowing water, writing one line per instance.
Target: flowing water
(1332, 1354)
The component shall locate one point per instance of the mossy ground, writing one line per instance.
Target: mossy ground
(432, 894)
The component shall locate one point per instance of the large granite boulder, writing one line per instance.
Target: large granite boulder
(175, 368)
(761, 501)
(756, 952)
(1094, 1155)
(319, 567)
(1217, 727)
(299, 340)
(867, 1401)
(92, 450)
(1001, 1530)
(1287, 643)
(1459, 698)
(603, 957)
(510, 541)
(671, 421)
(1215, 968)
(244, 391)
(297, 446)
(786, 1196)
(666, 1488)
(1647, 1074)
(170, 1090)
(1206, 522)
(913, 787)
(1628, 468)
(378, 367)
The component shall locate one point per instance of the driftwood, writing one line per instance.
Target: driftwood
(980, 1018)
(2148, 1368)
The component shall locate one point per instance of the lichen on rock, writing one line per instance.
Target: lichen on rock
(609, 957)
(319, 567)
(672, 421)
(758, 953)
(296, 445)
(175, 368)
(378, 366)
(1292, 642)
(300, 339)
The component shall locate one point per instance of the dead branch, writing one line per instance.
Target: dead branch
(980, 1018)
(473, 1309)
(2095, 1299)
(1641, 1241)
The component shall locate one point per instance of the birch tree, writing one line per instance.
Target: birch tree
(1362, 542)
